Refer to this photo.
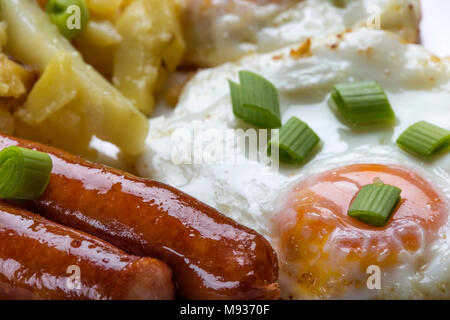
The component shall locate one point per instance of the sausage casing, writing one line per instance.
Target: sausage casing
(211, 256)
(40, 259)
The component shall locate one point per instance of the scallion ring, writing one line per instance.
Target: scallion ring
(24, 173)
(375, 204)
(424, 138)
(295, 141)
(255, 100)
(362, 103)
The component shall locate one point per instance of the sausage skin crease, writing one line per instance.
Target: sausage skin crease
(211, 256)
(40, 259)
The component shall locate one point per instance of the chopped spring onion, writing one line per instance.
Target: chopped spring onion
(70, 16)
(375, 204)
(424, 138)
(24, 173)
(296, 140)
(255, 100)
(363, 103)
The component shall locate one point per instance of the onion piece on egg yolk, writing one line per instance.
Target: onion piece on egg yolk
(327, 252)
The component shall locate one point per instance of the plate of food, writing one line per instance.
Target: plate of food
(224, 150)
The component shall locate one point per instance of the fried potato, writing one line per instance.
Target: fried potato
(97, 44)
(15, 81)
(106, 9)
(152, 45)
(41, 102)
(6, 119)
(3, 34)
(97, 109)
(102, 33)
(14, 78)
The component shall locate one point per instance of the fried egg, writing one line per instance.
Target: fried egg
(302, 209)
(219, 31)
(327, 254)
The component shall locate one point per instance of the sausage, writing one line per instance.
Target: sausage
(211, 256)
(40, 259)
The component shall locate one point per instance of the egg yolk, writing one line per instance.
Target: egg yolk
(327, 252)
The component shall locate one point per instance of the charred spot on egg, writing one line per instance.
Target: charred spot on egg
(325, 253)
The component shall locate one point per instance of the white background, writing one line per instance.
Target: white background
(435, 27)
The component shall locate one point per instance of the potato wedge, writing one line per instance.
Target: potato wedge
(106, 9)
(14, 78)
(98, 109)
(15, 81)
(152, 45)
(6, 119)
(97, 44)
(41, 103)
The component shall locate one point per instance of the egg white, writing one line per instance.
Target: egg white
(219, 31)
(417, 85)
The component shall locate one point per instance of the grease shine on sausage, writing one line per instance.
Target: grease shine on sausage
(40, 259)
(211, 256)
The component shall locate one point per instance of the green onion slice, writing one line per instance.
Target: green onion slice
(24, 173)
(255, 100)
(70, 16)
(424, 138)
(363, 103)
(375, 203)
(296, 140)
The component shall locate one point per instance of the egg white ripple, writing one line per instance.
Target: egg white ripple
(229, 29)
(417, 85)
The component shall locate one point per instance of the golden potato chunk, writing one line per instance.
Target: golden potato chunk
(14, 78)
(97, 109)
(152, 45)
(97, 44)
(6, 119)
(107, 9)
(42, 102)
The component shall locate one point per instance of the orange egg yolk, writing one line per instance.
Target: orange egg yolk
(327, 252)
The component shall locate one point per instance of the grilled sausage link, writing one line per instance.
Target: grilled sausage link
(211, 256)
(40, 259)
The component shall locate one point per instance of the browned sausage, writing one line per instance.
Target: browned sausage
(211, 256)
(40, 259)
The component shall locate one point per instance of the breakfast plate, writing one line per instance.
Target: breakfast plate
(224, 150)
